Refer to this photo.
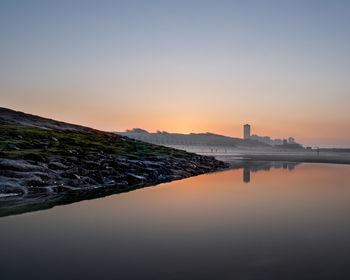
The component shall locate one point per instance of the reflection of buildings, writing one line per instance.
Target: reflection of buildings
(258, 166)
(246, 174)
(246, 131)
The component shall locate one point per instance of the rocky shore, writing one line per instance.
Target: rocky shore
(44, 160)
(96, 170)
(28, 185)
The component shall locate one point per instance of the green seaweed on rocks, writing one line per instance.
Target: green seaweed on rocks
(37, 143)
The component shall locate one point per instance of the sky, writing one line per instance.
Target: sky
(182, 66)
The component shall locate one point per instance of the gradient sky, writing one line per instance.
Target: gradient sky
(182, 66)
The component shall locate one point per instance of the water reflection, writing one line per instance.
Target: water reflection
(285, 225)
(246, 174)
(18, 205)
(266, 166)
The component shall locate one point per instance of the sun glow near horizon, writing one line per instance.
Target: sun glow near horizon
(207, 66)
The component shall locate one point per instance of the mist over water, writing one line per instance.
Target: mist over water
(279, 221)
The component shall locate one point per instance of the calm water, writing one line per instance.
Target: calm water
(282, 223)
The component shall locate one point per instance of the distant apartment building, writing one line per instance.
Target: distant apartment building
(246, 131)
(265, 139)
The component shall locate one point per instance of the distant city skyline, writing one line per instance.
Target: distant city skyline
(247, 129)
(182, 66)
(205, 139)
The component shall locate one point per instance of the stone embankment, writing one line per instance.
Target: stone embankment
(58, 174)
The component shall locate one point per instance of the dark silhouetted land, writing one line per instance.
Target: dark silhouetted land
(43, 156)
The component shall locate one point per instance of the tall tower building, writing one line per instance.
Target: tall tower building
(246, 131)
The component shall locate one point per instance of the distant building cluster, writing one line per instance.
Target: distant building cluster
(265, 139)
(177, 139)
(192, 139)
(208, 139)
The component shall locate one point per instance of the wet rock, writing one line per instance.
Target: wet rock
(34, 181)
(96, 170)
(83, 171)
(61, 188)
(88, 181)
(11, 147)
(74, 182)
(108, 181)
(72, 171)
(35, 189)
(56, 165)
(91, 164)
(72, 159)
(18, 165)
(35, 157)
(134, 179)
(11, 185)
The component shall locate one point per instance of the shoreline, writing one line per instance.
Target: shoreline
(283, 158)
(45, 162)
(19, 204)
(328, 156)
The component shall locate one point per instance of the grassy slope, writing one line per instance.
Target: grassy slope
(18, 141)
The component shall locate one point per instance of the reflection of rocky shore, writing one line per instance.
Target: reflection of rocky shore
(266, 166)
(132, 175)
(40, 201)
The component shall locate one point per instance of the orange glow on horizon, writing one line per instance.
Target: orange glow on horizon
(308, 132)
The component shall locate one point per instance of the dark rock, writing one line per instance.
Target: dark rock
(134, 179)
(55, 165)
(108, 181)
(83, 171)
(91, 164)
(88, 181)
(18, 165)
(11, 147)
(35, 157)
(34, 181)
(61, 188)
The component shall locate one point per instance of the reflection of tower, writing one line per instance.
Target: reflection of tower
(246, 131)
(246, 174)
